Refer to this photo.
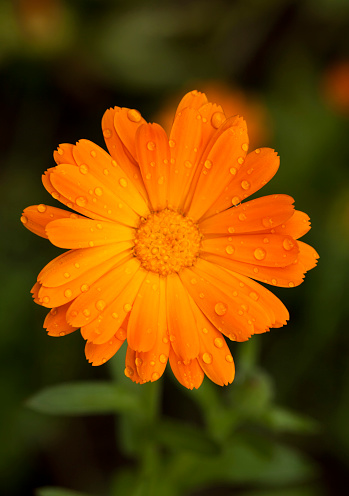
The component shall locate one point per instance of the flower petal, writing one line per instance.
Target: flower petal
(85, 190)
(74, 263)
(296, 226)
(111, 320)
(98, 354)
(229, 148)
(119, 152)
(86, 233)
(89, 305)
(257, 169)
(182, 326)
(56, 323)
(189, 374)
(131, 367)
(56, 296)
(142, 328)
(126, 123)
(194, 99)
(153, 154)
(255, 215)
(94, 161)
(36, 217)
(64, 154)
(270, 250)
(214, 358)
(185, 144)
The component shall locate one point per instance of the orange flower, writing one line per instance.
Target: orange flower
(163, 252)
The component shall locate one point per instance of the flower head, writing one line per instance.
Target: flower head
(164, 248)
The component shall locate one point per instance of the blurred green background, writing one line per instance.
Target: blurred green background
(62, 64)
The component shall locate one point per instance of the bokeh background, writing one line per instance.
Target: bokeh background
(284, 65)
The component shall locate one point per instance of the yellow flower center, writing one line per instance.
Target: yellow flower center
(166, 242)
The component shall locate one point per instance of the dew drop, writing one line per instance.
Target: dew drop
(171, 144)
(193, 280)
(241, 160)
(60, 151)
(229, 358)
(188, 164)
(86, 312)
(202, 295)
(259, 253)
(134, 115)
(127, 307)
(220, 308)
(161, 180)
(123, 182)
(55, 195)
(230, 249)
(98, 191)
(291, 284)
(84, 288)
(233, 170)
(46, 299)
(231, 229)
(114, 315)
(205, 330)
(68, 293)
(254, 296)
(91, 244)
(151, 145)
(41, 208)
(245, 185)
(218, 342)
(81, 201)
(155, 376)
(217, 119)
(244, 146)
(258, 150)
(138, 361)
(100, 305)
(107, 133)
(93, 154)
(62, 333)
(148, 176)
(235, 200)
(242, 216)
(83, 169)
(207, 358)
(66, 275)
(208, 164)
(163, 358)
(165, 340)
(288, 244)
(274, 281)
(24, 219)
(266, 240)
(129, 372)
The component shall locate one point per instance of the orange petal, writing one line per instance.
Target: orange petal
(74, 263)
(257, 169)
(97, 354)
(118, 151)
(35, 291)
(89, 305)
(56, 323)
(85, 233)
(229, 148)
(64, 154)
(185, 146)
(88, 192)
(56, 296)
(151, 364)
(142, 328)
(212, 117)
(126, 123)
(189, 374)
(153, 154)
(194, 99)
(94, 163)
(214, 358)
(180, 319)
(36, 217)
(230, 306)
(131, 368)
(296, 226)
(270, 250)
(288, 277)
(251, 216)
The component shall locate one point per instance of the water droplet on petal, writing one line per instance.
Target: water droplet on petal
(161, 180)
(24, 219)
(129, 372)
(241, 160)
(98, 191)
(231, 229)
(220, 308)
(100, 305)
(127, 307)
(93, 154)
(229, 358)
(233, 170)
(291, 284)
(42, 208)
(274, 281)
(288, 244)
(235, 200)
(123, 182)
(254, 296)
(134, 115)
(151, 145)
(84, 288)
(244, 146)
(218, 342)
(208, 164)
(83, 169)
(245, 185)
(86, 312)
(66, 275)
(138, 361)
(171, 144)
(207, 358)
(230, 249)
(62, 333)
(259, 253)
(242, 217)
(188, 164)
(81, 201)
(107, 133)
(204, 330)
(46, 299)
(68, 293)
(217, 119)
(163, 358)
(155, 376)
(257, 151)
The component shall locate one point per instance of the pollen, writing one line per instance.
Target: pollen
(166, 242)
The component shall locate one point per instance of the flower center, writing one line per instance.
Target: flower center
(166, 242)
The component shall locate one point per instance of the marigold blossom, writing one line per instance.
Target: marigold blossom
(164, 251)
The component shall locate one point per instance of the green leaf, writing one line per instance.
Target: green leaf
(84, 398)
(282, 420)
(57, 491)
(183, 437)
